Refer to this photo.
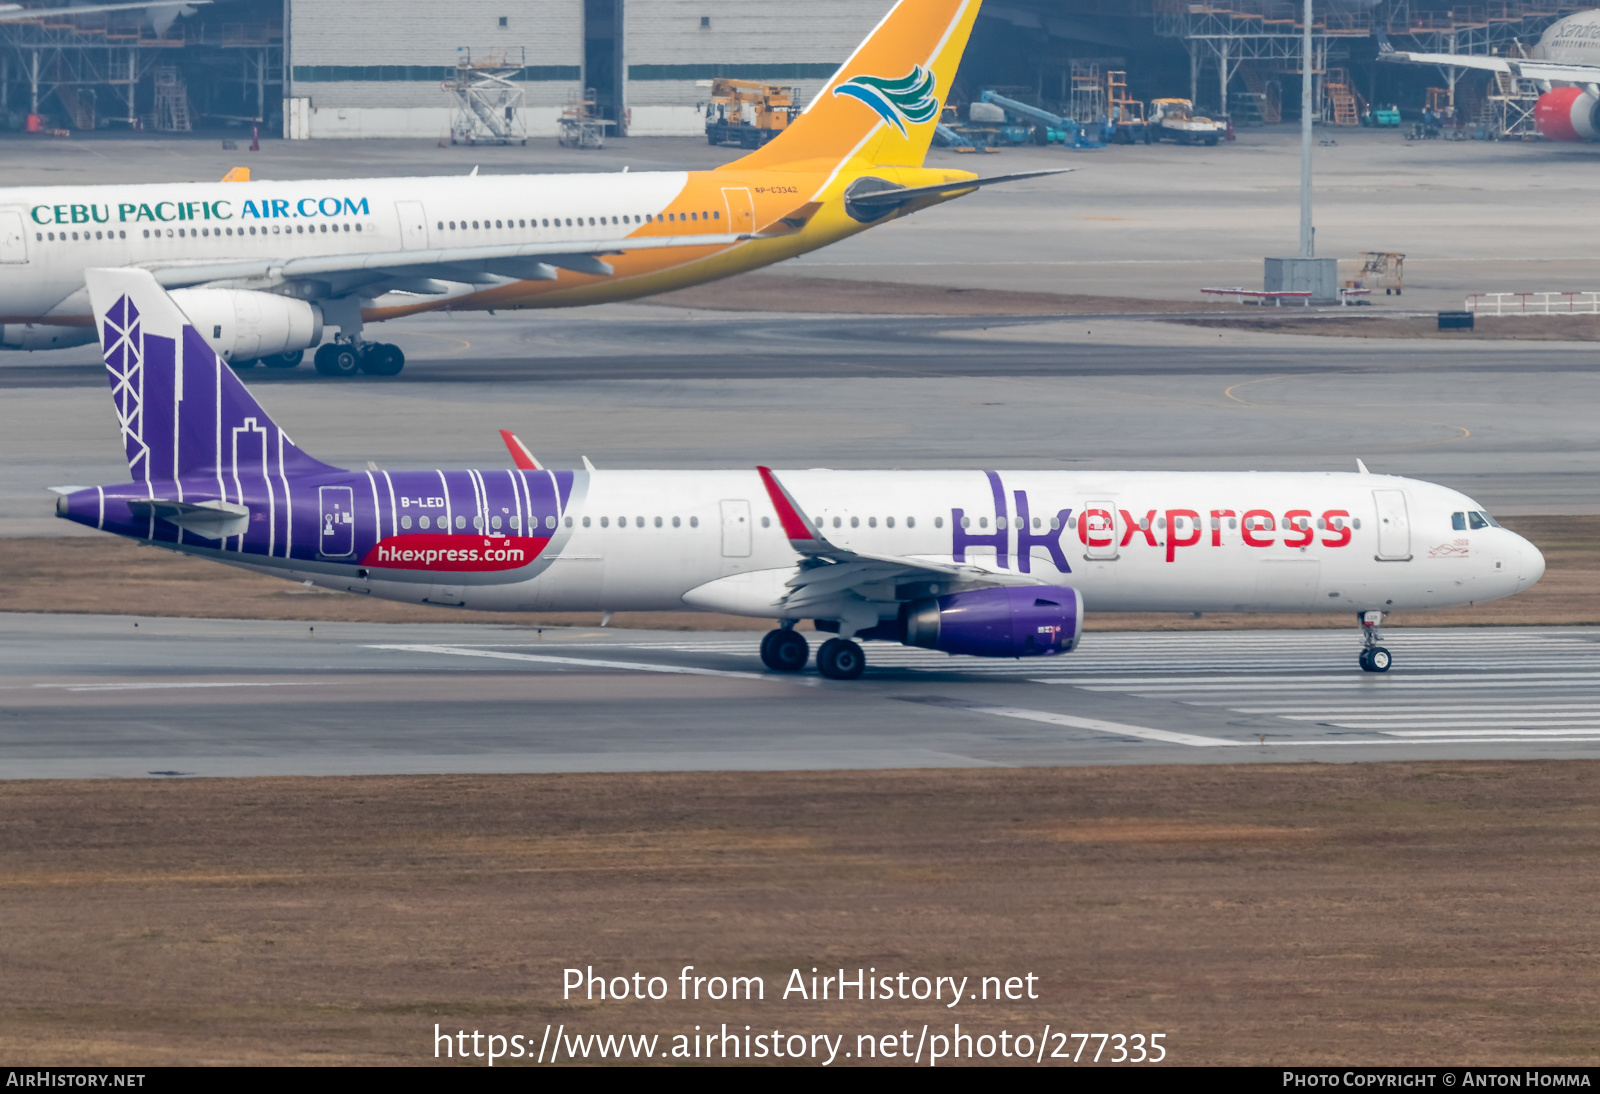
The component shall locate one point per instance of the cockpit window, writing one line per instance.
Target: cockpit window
(1478, 520)
(1458, 521)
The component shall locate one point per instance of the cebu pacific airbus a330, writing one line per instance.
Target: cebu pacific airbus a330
(996, 564)
(262, 267)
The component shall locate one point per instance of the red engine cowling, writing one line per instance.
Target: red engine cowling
(1567, 114)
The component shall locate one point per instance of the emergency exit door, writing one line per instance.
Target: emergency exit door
(741, 210)
(338, 537)
(735, 529)
(413, 225)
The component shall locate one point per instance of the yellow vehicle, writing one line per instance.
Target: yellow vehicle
(747, 113)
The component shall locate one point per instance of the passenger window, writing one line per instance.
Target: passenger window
(605, 522)
(1055, 523)
(497, 224)
(494, 523)
(586, 522)
(405, 522)
(911, 522)
(461, 522)
(676, 522)
(477, 522)
(938, 522)
(837, 523)
(424, 522)
(638, 522)
(694, 522)
(569, 522)
(1476, 521)
(1458, 521)
(855, 522)
(550, 522)
(888, 522)
(515, 520)
(658, 521)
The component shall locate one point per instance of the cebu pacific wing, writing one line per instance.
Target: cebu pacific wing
(988, 563)
(1564, 63)
(264, 269)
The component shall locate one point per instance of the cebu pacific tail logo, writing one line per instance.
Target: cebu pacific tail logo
(908, 99)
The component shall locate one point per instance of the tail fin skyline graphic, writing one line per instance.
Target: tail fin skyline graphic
(181, 410)
(882, 106)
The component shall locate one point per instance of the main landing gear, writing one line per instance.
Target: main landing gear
(783, 650)
(348, 358)
(1374, 658)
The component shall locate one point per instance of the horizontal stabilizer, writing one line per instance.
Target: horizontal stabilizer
(210, 519)
(903, 194)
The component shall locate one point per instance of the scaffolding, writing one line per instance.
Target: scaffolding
(97, 69)
(1089, 93)
(488, 99)
(1433, 26)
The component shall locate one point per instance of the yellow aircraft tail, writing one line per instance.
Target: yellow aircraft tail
(883, 104)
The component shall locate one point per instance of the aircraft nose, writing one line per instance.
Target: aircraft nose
(1530, 563)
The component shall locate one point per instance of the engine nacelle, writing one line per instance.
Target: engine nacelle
(1567, 114)
(242, 325)
(32, 336)
(1030, 621)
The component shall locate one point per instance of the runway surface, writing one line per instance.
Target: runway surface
(95, 696)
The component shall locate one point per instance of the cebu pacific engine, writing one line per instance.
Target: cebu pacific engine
(244, 326)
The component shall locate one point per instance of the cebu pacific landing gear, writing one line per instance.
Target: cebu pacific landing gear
(1374, 658)
(348, 358)
(783, 650)
(841, 659)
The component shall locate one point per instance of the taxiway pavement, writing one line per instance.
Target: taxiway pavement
(112, 696)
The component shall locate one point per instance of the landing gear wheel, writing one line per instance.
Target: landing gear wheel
(1376, 659)
(284, 360)
(382, 359)
(337, 359)
(841, 659)
(784, 651)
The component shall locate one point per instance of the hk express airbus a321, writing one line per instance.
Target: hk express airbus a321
(261, 267)
(989, 563)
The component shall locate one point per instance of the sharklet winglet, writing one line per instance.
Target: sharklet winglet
(804, 536)
(520, 455)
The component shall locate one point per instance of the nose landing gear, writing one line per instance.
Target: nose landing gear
(1374, 658)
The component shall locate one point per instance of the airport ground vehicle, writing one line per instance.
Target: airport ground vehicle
(270, 266)
(988, 563)
(747, 113)
(1175, 120)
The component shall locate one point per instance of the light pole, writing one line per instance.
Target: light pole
(1307, 238)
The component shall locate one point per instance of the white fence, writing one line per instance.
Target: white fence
(1534, 303)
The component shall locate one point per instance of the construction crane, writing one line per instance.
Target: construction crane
(770, 110)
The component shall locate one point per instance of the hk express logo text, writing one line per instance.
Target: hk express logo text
(911, 98)
(164, 211)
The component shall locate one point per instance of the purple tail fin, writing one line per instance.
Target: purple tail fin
(182, 410)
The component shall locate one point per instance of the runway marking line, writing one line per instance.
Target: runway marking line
(163, 686)
(596, 663)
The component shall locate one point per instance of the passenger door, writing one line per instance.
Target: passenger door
(1099, 531)
(413, 225)
(13, 237)
(338, 538)
(735, 529)
(1394, 526)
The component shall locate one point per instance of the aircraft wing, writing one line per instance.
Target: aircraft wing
(16, 13)
(829, 571)
(519, 261)
(1522, 69)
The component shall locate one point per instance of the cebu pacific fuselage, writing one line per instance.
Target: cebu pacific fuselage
(263, 266)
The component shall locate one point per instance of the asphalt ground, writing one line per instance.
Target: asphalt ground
(97, 696)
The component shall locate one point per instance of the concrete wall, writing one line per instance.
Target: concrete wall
(372, 68)
(670, 54)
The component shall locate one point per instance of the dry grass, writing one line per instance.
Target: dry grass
(119, 577)
(1383, 913)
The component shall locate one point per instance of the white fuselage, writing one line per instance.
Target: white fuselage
(1574, 40)
(1127, 541)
